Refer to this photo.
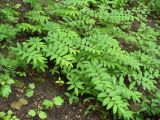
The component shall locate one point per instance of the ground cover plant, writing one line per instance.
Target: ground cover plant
(104, 51)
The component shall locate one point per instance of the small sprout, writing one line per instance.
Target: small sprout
(60, 81)
(21, 74)
(8, 116)
(47, 104)
(58, 101)
(18, 6)
(32, 86)
(30, 90)
(30, 93)
(32, 113)
(42, 115)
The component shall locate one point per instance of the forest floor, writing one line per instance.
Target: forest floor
(46, 88)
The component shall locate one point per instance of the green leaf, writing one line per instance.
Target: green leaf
(106, 101)
(9, 112)
(2, 114)
(76, 91)
(58, 101)
(115, 109)
(102, 95)
(110, 104)
(42, 115)
(5, 91)
(32, 86)
(32, 113)
(47, 104)
(71, 87)
(79, 85)
(18, 6)
(30, 93)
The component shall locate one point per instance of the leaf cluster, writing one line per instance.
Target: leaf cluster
(94, 43)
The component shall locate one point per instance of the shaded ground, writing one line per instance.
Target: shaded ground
(47, 90)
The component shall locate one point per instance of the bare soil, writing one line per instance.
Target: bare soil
(47, 90)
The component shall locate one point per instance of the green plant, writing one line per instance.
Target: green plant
(5, 85)
(155, 4)
(97, 46)
(30, 90)
(21, 74)
(9, 14)
(32, 113)
(46, 104)
(7, 32)
(8, 116)
(60, 82)
(31, 53)
(72, 98)
(42, 115)
(57, 101)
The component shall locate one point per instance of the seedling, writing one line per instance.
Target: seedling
(21, 74)
(5, 85)
(30, 90)
(8, 116)
(60, 81)
(57, 101)
(41, 114)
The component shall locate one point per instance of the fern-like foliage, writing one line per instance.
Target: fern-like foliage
(37, 16)
(9, 14)
(95, 45)
(35, 51)
(26, 27)
(30, 51)
(7, 32)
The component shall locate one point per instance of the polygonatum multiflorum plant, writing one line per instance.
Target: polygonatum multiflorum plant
(106, 48)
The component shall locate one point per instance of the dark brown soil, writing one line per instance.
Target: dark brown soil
(47, 90)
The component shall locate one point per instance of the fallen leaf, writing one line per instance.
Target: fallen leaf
(18, 104)
(23, 101)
